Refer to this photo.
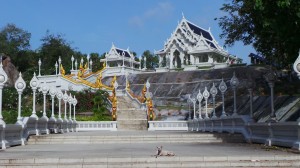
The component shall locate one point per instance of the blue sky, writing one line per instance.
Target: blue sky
(93, 25)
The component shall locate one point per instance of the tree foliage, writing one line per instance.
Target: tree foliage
(272, 26)
(151, 60)
(54, 46)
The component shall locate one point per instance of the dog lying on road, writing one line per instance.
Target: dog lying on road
(161, 152)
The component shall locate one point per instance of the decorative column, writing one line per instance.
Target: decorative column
(72, 59)
(234, 82)
(194, 103)
(20, 86)
(147, 85)
(45, 90)
(76, 64)
(52, 93)
(223, 88)
(40, 63)
(56, 65)
(296, 65)
(140, 67)
(214, 92)
(3, 80)
(34, 83)
(123, 56)
(81, 61)
(70, 101)
(88, 58)
(91, 67)
(65, 98)
(271, 78)
(74, 104)
(145, 63)
(65, 122)
(206, 95)
(59, 96)
(200, 97)
(59, 63)
(189, 100)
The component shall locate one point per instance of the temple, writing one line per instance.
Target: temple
(191, 47)
(118, 61)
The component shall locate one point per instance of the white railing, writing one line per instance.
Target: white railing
(270, 133)
(96, 126)
(168, 126)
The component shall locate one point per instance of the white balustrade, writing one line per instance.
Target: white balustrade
(168, 126)
(96, 125)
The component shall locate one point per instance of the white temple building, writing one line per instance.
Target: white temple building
(119, 61)
(191, 47)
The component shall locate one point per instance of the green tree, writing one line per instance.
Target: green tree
(272, 26)
(15, 43)
(151, 60)
(54, 46)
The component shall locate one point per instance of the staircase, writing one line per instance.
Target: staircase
(135, 138)
(130, 116)
(136, 149)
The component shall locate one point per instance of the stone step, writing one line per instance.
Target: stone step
(151, 161)
(197, 138)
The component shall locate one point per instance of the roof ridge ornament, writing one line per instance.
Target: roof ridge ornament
(182, 15)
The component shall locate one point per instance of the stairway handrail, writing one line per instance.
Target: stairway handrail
(142, 105)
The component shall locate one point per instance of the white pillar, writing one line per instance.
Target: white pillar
(59, 96)
(70, 100)
(72, 59)
(56, 65)
(20, 86)
(40, 63)
(76, 64)
(91, 63)
(34, 83)
(88, 58)
(45, 90)
(200, 97)
(206, 95)
(59, 62)
(65, 98)
(3, 80)
(74, 104)
(52, 94)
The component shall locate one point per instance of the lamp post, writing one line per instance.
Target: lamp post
(59, 96)
(70, 101)
(200, 97)
(3, 80)
(45, 90)
(214, 92)
(223, 88)
(65, 98)
(72, 59)
(74, 104)
(271, 78)
(56, 65)
(40, 63)
(234, 82)
(20, 86)
(206, 95)
(59, 62)
(194, 103)
(34, 83)
(52, 93)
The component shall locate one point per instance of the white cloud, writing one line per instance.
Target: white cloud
(162, 11)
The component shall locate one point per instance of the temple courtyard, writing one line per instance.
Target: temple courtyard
(138, 149)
